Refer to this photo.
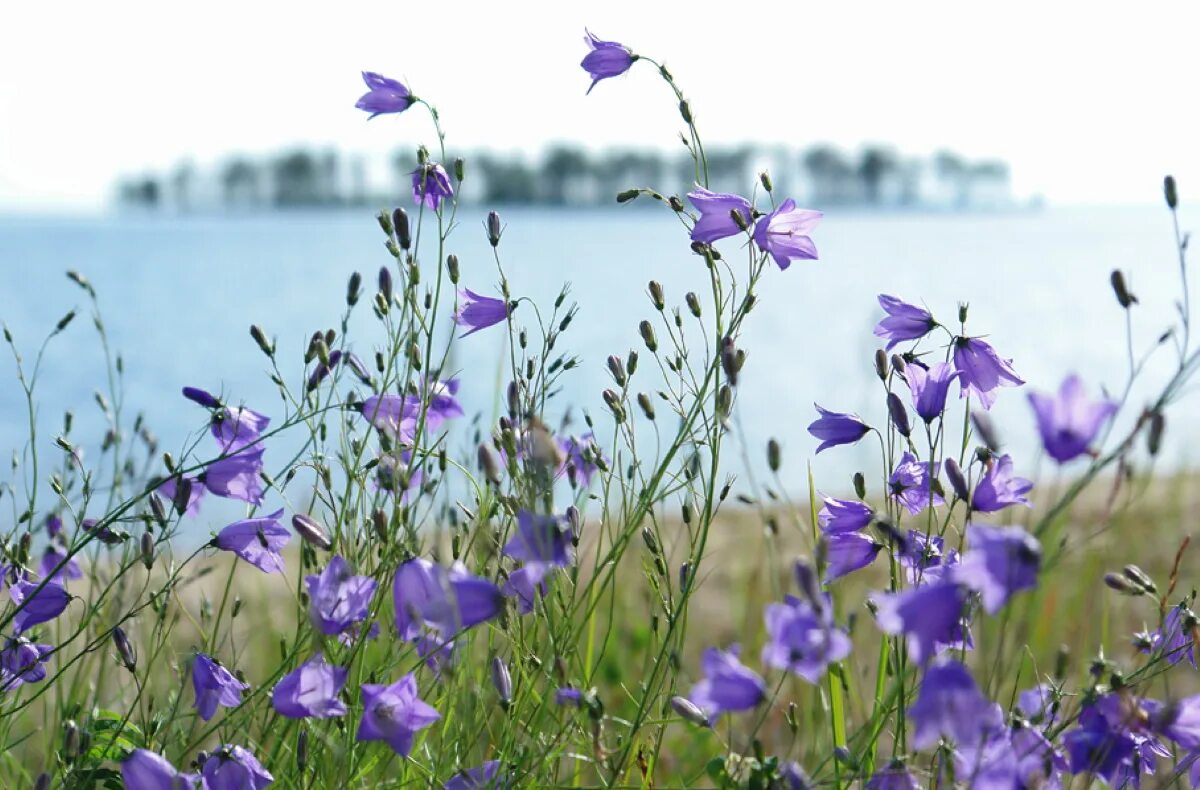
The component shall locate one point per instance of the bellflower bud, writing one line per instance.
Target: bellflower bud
(617, 369)
(379, 521)
(147, 550)
(881, 364)
(385, 222)
(764, 178)
(1124, 297)
(1170, 192)
(1140, 578)
(646, 405)
(302, 749)
(502, 680)
(124, 649)
(1116, 581)
(1158, 423)
(627, 195)
(353, 289)
(403, 231)
(647, 332)
(494, 230)
(452, 267)
(656, 295)
(689, 711)
(898, 414)
(693, 303)
(986, 430)
(260, 337)
(312, 532)
(385, 284)
(460, 169)
(773, 455)
(489, 465)
(958, 481)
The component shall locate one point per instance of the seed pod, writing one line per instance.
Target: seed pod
(958, 481)
(647, 332)
(962, 312)
(631, 362)
(1140, 578)
(489, 465)
(773, 455)
(685, 110)
(353, 289)
(1121, 290)
(502, 680)
(675, 203)
(452, 267)
(1158, 423)
(647, 406)
(460, 169)
(147, 550)
(689, 711)
(1116, 581)
(627, 195)
(730, 363)
(157, 510)
(617, 369)
(124, 649)
(656, 295)
(1170, 192)
(379, 521)
(312, 532)
(650, 541)
(764, 178)
(494, 230)
(881, 364)
(183, 495)
(260, 337)
(385, 284)
(693, 303)
(725, 400)
(898, 414)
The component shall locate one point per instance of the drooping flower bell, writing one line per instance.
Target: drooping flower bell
(1069, 422)
(1000, 488)
(911, 484)
(214, 685)
(950, 705)
(784, 233)
(147, 770)
(311, 691)
(237, 476)
(904, 321)
(258, 541)
(431, 185)
(425, 593)
(394, 714)
(234, 768)
(337, 598)
(999, 562)
(479, 312)
(928, 616)
(843, 515)
(982, 371)
(728, 685)
(385, 95)
(836, 428)
(801, 639)
(929, 388)
(39, 602)
(716, 215)
(605, 59)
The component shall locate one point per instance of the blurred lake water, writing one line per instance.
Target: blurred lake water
(179, 293)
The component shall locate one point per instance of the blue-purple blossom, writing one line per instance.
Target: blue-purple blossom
(580, 455)
(478, 312)
(234, 768)
(835, 428)
(442, 402)
(929, 387)
(1174, 640)
(1038, 762)
(385, 95)
(929, 616)
(728, 685)
(999, 487)
(999, 562)
(311, 691)
(51, 559)
(910, 484)
(894, 777)
(236, 428)
(395, 415)
(991, 762)
(214, 685)
(481, 777)
(53, 525)
(924, 557)
(526, 584)
(237, 476)
(982, 370)
(258, 541)
(21, 662)
(147, 770)
(1037, 704)
(337, 598)
(567, 695)
(784, 233)
(950, 705)
(843, 515)
(394, 714)
(195, 491)
(605, 59)
(1098, 745)
(439, 654)
(904, 321)
(39, 602)
(431, 185)
(801, 639)
(1069, 422)
(448, 601)
(201, 397)
(848, 552)
(716, 214)
(544, 539)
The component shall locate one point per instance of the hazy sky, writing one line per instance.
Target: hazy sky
(1089, 102)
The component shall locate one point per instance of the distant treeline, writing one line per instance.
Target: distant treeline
(822, 175)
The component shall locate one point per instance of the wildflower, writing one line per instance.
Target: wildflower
(904, 321)
(234, 768)
(728, 685)
(147, 770)
(39, 602)
(502, 681)
(802, 640)
(784, 233)
(526, 584)
(568, 696)
(1001, 561)
(1174, 639)
(236, 428)
(395, 415)
(481, 777)
(394, 714)
(237, 476)
(912, 486)
(894, 777)
(442, 403)
(581, 454)
(929, 388)
(928, 616)
(794, 778)
(544, 539)
(51, 559)
(311, 691)
(21, 662)
(385, 95)
(991, 762)
(214, 685)
(716, 215)
(1096, 746)
(843, 515)
(201, 397)
(439, 654)
(448, 601)
(337, 598)
(1069, 422)
(835, 428)
(924, 557)
(103, 532)
(1036, 704)
(170, 490)
(479, 312)
(950, 705)
(848, 552)
(53, 525)
(258, 541)
(431, 185)
(999, 488)
(606, 59)
(1038, 762)
(982, 371)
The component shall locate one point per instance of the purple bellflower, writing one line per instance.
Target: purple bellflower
(835, 428)
(21, 662)
(580, 454)
(929, 388)
(728, 686)
(1038, 762)
(479, 312)
(447, 601)
(605, 59)
(801, 639)
(385, 95)
(214, 685)
(716, 214)
(394, 714)
(195, 491)
(1001, 561)
(894, 777)
(544, 539)
(53, 525)
(237, 476)
(929, 616)
(40, 602)
(999, 488)
(904, 321)
(147, 770)
(431, 185)
(395, 415)
(950, 705)
(234, 768)
(481, 777)
(338, 598)
(849, 552)
(442, 402)
(982, 371)
(784, 233)
(526, 584)
(1099, 745)
(1174, 639)
(1069, 422)
(51, 559)
(911, 486)
(236, 428)
(311, 691)
(843, 515)
(924, 557)
(258, 541)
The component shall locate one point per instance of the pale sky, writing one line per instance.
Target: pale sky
(1088, 102)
